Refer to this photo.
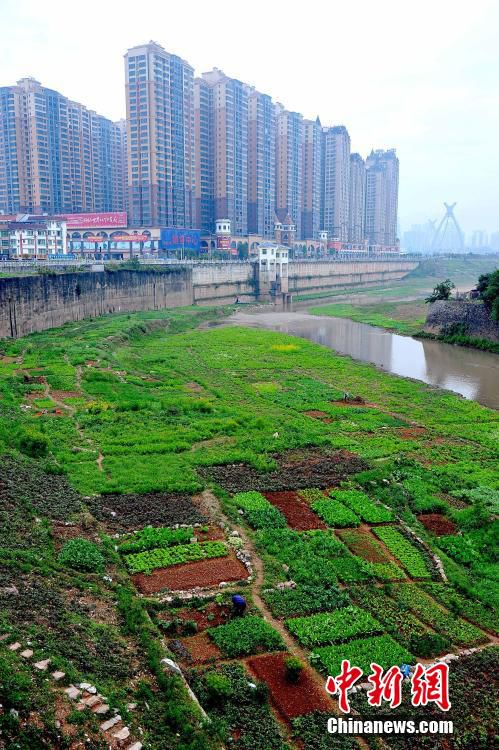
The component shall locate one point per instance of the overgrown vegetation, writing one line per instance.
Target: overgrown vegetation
(153, 411)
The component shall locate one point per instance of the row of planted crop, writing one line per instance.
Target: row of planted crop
(349, 508)
(410, 557)
(143, 562)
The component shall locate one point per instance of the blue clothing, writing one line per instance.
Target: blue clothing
(238, 600)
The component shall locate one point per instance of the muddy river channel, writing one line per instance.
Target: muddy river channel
(472, 373)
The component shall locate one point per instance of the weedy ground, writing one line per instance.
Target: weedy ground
(110, 425)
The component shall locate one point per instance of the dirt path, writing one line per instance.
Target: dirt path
(211, 504)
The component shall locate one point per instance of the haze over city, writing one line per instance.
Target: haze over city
(424, 81)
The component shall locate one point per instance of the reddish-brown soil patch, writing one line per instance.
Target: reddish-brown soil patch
(289, 699)
(201, 648)
(355, 401)
(408, 433)
(62, 533)
(295, 510)
(214, 532)
(296, 470)
(194, 387)
(438, 524)
(60, 395)
(315, 414)
(362, 543)
(208, 617)
(200, 574)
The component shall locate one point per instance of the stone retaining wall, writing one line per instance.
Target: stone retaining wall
(444, 315)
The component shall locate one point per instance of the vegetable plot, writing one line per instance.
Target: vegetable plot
(151, 537)
(412, 560)
(259, 513)
(360, 504)
(335, 514)
(445, 623)
(246, 635)
(381, 649)
(329, 627)
(142, 562)
(304, 600)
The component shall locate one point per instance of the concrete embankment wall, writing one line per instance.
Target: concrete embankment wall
(444, 315)
(223, 283)
(35, 303)
(311, 277)
(38, 302)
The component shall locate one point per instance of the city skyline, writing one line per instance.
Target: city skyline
(429, 90)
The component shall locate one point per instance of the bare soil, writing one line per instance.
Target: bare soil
(315, 414)
(364, 545)
(296, 470)
(408, 433)
(126, 512)
(202, 650)
(202, 574)
(438, 524)
(209, 617)
(290, 699)
(60, 395)
(295, 510)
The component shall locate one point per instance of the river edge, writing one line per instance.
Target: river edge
(439, 367)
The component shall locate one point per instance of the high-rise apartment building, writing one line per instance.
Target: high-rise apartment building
(311, 180)
(160, 137)
(56, 156)
(335, 182)
(11, 183)
(289, 166)
(261, 163)
(221, 130)
(357, 199)
(382, 176)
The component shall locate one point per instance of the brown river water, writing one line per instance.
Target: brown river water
(472, 373)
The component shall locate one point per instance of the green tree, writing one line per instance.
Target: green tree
(441, 291)
(488, 286)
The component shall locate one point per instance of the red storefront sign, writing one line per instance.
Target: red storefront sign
(223, 243)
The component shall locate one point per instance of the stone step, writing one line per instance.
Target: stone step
(4, 637)
(27, 653)
(57, 675)
(122, 734)
(110, 723)
(14, 646)
(101, 710)
(135, 746)
(42, 665)
(72, 692)
(91, 701)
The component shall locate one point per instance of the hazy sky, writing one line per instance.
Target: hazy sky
(421, 77)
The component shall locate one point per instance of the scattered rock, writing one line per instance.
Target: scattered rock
(110, 723)
(102, 709)
(91, 701)
(27, 653)
(58, 675)
(14, 646)
(122, 734)
(42, 665)
(10, 591)
(72, 692)
(171, 666)
(136, 746)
